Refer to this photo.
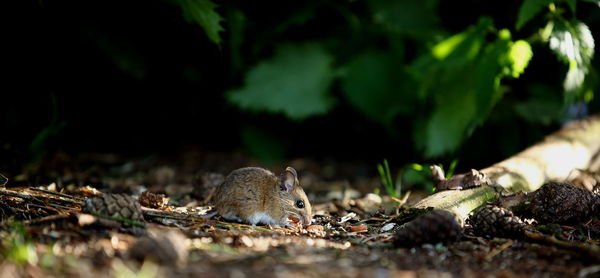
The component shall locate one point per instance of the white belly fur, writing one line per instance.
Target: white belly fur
(261, 217)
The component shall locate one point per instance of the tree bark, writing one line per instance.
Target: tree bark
(557, 157)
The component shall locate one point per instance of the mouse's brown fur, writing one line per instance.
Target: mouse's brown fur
(256, 195)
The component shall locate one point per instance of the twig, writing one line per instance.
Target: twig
(592, 251)
(169, 214)
(498, 249)
(35, 198)
(55, 193)
(47, 218)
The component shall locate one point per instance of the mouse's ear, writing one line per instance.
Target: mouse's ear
(290, 179)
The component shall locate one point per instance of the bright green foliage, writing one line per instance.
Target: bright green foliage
(519, 56)
(416, 18)
(573, 43)
(463, 75)
(375, 84)
(529, 9)
(202, 12)
(451, 168)
(294, 82)
(446, 84)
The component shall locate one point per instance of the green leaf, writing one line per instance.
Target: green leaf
(392, 189)
(572, 5)
(447, 126)
(464, 91)
(202, 12)
(375, 84)
(294, 82)
(519, 56)
(447, 46)
(543, 111)
(573, 43)
(529, 9)
(416, 18)
(449, 54)
(544, 105)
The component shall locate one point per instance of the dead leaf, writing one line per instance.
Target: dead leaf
(362, 228)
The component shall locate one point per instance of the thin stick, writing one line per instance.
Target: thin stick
(55, 193)
(171, 215)
(498, 249)
(31, 197)
(591, 250)
(47, 218)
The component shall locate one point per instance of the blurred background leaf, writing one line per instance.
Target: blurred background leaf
(529, 9)
(294, 82)
(463, 75)
(415, 18)
(203, 13)
(408, 80)
(519, 55)
(573, 43)
(376, 84)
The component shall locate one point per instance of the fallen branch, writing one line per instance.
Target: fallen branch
(558, 157)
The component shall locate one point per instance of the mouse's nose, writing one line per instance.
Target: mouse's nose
(306, 220)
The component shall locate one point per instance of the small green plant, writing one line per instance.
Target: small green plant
(392, 189)
(39, 145)
(19, 248)
(416, 175)
(451, 168)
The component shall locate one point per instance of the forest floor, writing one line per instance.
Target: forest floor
(45, 233)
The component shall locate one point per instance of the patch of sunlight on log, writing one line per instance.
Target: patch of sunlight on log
(564, 159)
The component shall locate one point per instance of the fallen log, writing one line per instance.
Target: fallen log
(558, 157)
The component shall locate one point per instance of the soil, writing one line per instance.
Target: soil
(47, 232)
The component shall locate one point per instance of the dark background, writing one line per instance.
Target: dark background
(133, 77)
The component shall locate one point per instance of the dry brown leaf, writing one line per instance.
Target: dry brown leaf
(362, 228)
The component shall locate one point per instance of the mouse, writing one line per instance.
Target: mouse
(256, 195)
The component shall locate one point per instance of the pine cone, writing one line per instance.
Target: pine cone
(116, 206)
(433, 227)
(496, 221)
(562, 203)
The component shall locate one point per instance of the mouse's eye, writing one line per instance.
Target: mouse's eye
(300, 204)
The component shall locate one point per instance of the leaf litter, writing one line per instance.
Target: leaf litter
(349, 237)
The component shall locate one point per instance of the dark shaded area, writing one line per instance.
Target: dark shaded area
(134, 78)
